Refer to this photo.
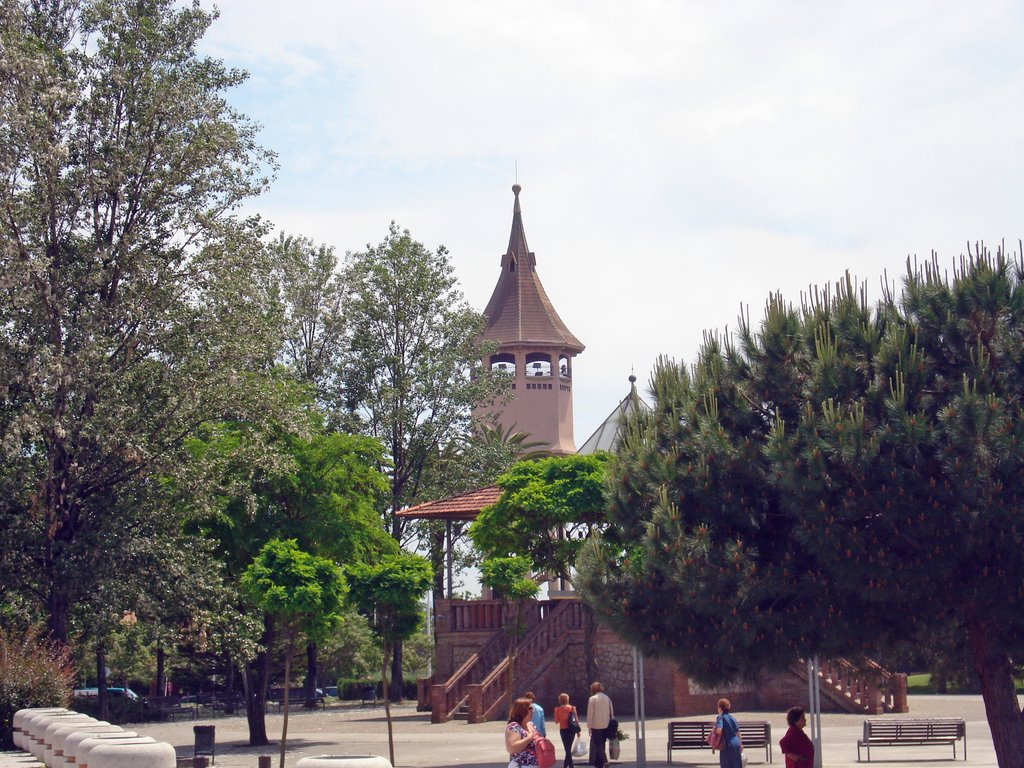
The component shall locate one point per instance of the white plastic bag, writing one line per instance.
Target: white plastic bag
(579, 747)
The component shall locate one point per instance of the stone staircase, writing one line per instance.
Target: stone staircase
(862, 688)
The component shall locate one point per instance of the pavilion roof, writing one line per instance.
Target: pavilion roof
(465, 506)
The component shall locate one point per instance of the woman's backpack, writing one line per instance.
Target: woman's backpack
(545, 752)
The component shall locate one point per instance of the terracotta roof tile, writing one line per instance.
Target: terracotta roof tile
(465, 506)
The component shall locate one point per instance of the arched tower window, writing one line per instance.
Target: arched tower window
(504, 363)
(538, 364)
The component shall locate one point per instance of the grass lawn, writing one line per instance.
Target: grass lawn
(922, 683)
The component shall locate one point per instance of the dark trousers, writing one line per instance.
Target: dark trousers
(598, 737)
(568, 737)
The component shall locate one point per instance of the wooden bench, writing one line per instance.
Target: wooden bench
(168, 708)
(907, 732)
(296, 697)
(693, 734)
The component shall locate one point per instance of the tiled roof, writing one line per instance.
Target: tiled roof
(465, 506)
(519, 309)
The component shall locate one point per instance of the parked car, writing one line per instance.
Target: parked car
(114, 693)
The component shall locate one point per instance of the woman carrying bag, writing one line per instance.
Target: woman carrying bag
(568, 726)
(520, 735)
(731, 746)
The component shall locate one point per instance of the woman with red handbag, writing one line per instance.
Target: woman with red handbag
(730, 753)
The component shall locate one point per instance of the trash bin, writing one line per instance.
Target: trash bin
(205, 741)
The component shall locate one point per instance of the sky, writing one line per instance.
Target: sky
(679, 161)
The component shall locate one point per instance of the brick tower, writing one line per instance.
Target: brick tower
(534, 347)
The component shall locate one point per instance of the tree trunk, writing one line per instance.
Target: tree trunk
(257, 674)
(289, 649)
(590, 644)
(101, 682)
(437, 559)
(997, 690)
(397, 679)
(309, 686)
(387, 703)
(160, 687)
(58, 607)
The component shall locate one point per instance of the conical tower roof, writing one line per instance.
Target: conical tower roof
(606, 437)
(519, 310)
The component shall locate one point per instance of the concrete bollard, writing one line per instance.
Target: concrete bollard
(61, 735)
(35, 727)
(128, 753)
(85, 747)
(344, 761)
(54, 727)
(263, 761)
(73, 740)
(21, 717)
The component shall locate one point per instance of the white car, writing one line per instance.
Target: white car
(92, 693)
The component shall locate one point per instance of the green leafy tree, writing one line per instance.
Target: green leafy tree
(546, 510)
(133, 301)
(322, 490)
(413, 342)
(389, 594)
(839, 467)
(302, 592)
(464, 464)
(311, 293)
(510, 578)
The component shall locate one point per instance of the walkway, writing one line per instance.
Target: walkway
(418, 744)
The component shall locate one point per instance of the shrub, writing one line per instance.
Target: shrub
(34, 672)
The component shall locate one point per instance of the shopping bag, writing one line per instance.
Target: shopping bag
(579, 747)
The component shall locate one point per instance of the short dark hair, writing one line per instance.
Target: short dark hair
(793, 714)
(529, 695)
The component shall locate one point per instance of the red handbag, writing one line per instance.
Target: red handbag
(715, 739)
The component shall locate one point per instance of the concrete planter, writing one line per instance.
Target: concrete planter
(72, 740)
(343, 761)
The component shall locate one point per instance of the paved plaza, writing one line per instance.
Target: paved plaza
(354, 730)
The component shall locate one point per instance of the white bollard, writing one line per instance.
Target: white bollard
(76, 748)
(55, 753)
(50, 733)
(128, 753)
(21, 717)
(35, 726)
(344, 761)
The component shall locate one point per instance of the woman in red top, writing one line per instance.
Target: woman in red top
(562, 712)
(798, 749)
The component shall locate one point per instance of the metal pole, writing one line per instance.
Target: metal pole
(638, 708)
(817, 714)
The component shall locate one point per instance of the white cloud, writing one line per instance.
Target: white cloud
(677, 159)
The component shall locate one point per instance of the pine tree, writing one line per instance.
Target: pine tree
(845, 480)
